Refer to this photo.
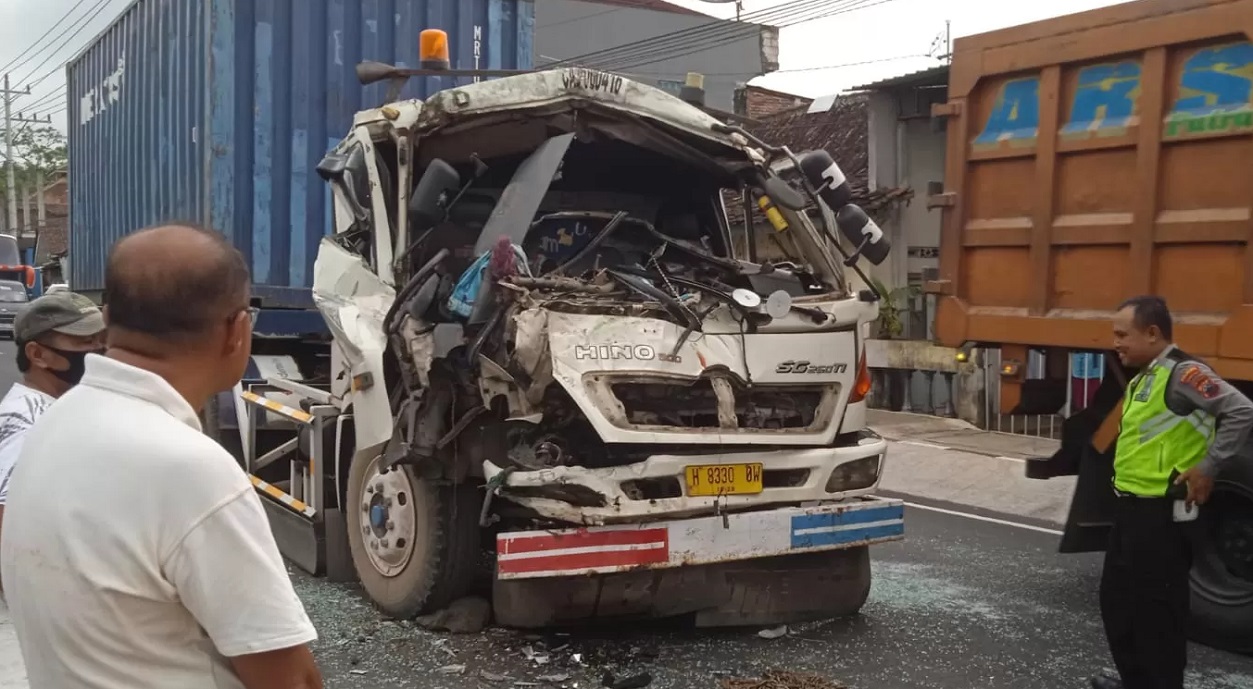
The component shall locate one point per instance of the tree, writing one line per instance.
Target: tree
(38, 151)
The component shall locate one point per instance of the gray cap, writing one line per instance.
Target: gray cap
(68, 313)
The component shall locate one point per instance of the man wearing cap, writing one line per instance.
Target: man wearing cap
(53, 336)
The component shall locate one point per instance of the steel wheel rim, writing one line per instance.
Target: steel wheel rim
(388, 519)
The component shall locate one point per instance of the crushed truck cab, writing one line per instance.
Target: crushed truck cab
(550, 344)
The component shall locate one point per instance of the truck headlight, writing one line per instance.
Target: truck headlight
(855, 475)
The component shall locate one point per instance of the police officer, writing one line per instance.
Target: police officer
(1180, 423)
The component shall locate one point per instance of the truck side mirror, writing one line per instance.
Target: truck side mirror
(866, 236)
(429, 202)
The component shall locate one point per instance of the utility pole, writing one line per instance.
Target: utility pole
(948, 40)
(10, 161)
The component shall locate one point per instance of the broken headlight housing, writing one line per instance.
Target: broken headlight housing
(855, 475)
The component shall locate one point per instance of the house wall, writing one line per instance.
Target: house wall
(568, 28)
(760, 103)
(29, 230)
(924, 163)
(904, 151)
(884, 168)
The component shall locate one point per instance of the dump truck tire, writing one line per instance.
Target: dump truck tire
(1222, 572)
(415, 544)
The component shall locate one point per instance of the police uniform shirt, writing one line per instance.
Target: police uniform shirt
(1169, 423)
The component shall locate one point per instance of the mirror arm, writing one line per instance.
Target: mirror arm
(852, 259)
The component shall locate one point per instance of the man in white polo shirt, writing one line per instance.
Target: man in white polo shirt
(135, 552)
(54, 334)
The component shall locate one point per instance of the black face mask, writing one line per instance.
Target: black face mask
(78, 364)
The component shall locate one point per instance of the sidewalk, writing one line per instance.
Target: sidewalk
(12, 672)
(955, 434)
(949, 460)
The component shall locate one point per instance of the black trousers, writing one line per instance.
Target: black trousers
(1145, 593)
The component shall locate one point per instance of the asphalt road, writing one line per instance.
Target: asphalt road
(959, 604)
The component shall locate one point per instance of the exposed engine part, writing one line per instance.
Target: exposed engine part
(421, 425)
(533, 454)
(563, 284)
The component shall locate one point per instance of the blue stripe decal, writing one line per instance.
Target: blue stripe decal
(863, 516)
(835, 528)
(827, 539)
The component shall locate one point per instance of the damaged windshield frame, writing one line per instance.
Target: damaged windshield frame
(804, 251)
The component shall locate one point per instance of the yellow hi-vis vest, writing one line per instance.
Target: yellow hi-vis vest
(1152, 439)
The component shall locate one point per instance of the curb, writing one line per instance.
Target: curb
(949, 448)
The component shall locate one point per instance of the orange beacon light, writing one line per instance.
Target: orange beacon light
(433, 49)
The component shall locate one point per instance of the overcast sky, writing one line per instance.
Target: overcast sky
(882, 36)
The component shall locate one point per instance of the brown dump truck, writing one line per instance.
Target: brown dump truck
(1090, 158)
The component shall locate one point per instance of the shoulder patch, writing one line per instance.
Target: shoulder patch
(1197, 379)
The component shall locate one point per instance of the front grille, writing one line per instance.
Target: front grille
(6, 318)
(715, 403)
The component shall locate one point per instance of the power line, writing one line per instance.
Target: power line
(99, 7)
(43, 110)
(579, 19)
(65, 30)
(44, 101)
(754, 75)
(809, 14)
(817, 68)
(713, 34)
(713, 26)
(40, 39)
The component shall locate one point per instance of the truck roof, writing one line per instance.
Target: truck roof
(558, 89)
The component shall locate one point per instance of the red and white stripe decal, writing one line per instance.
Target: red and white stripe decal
(581, 550)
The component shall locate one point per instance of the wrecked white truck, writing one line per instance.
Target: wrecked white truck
(556, 371)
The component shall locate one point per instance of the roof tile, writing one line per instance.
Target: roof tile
(841, 130)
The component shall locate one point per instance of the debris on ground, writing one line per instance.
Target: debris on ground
(537, 657)
(638, 681)
(782, 679)
(773, 632)
(464, 616)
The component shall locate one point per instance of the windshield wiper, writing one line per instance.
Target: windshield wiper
(671, 304)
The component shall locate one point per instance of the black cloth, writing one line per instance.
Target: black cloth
(1145, 593)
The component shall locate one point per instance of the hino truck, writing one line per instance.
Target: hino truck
(528, 356)
(546, 349)
(1090, 158)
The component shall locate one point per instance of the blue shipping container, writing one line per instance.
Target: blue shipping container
(218, 111)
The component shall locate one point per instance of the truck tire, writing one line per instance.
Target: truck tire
(1222, 571)
(415, 543)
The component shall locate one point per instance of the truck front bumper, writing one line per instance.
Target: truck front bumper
(585, 496)
(699, 541)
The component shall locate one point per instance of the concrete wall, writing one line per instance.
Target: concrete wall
(884, 173)
(930, 390)
(924, 163)
(569, 28)
(904, 151)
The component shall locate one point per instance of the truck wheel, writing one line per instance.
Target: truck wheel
(415, 544)
(1222, 574)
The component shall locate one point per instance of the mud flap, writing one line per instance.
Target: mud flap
(763, 591)
(1092, 505)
